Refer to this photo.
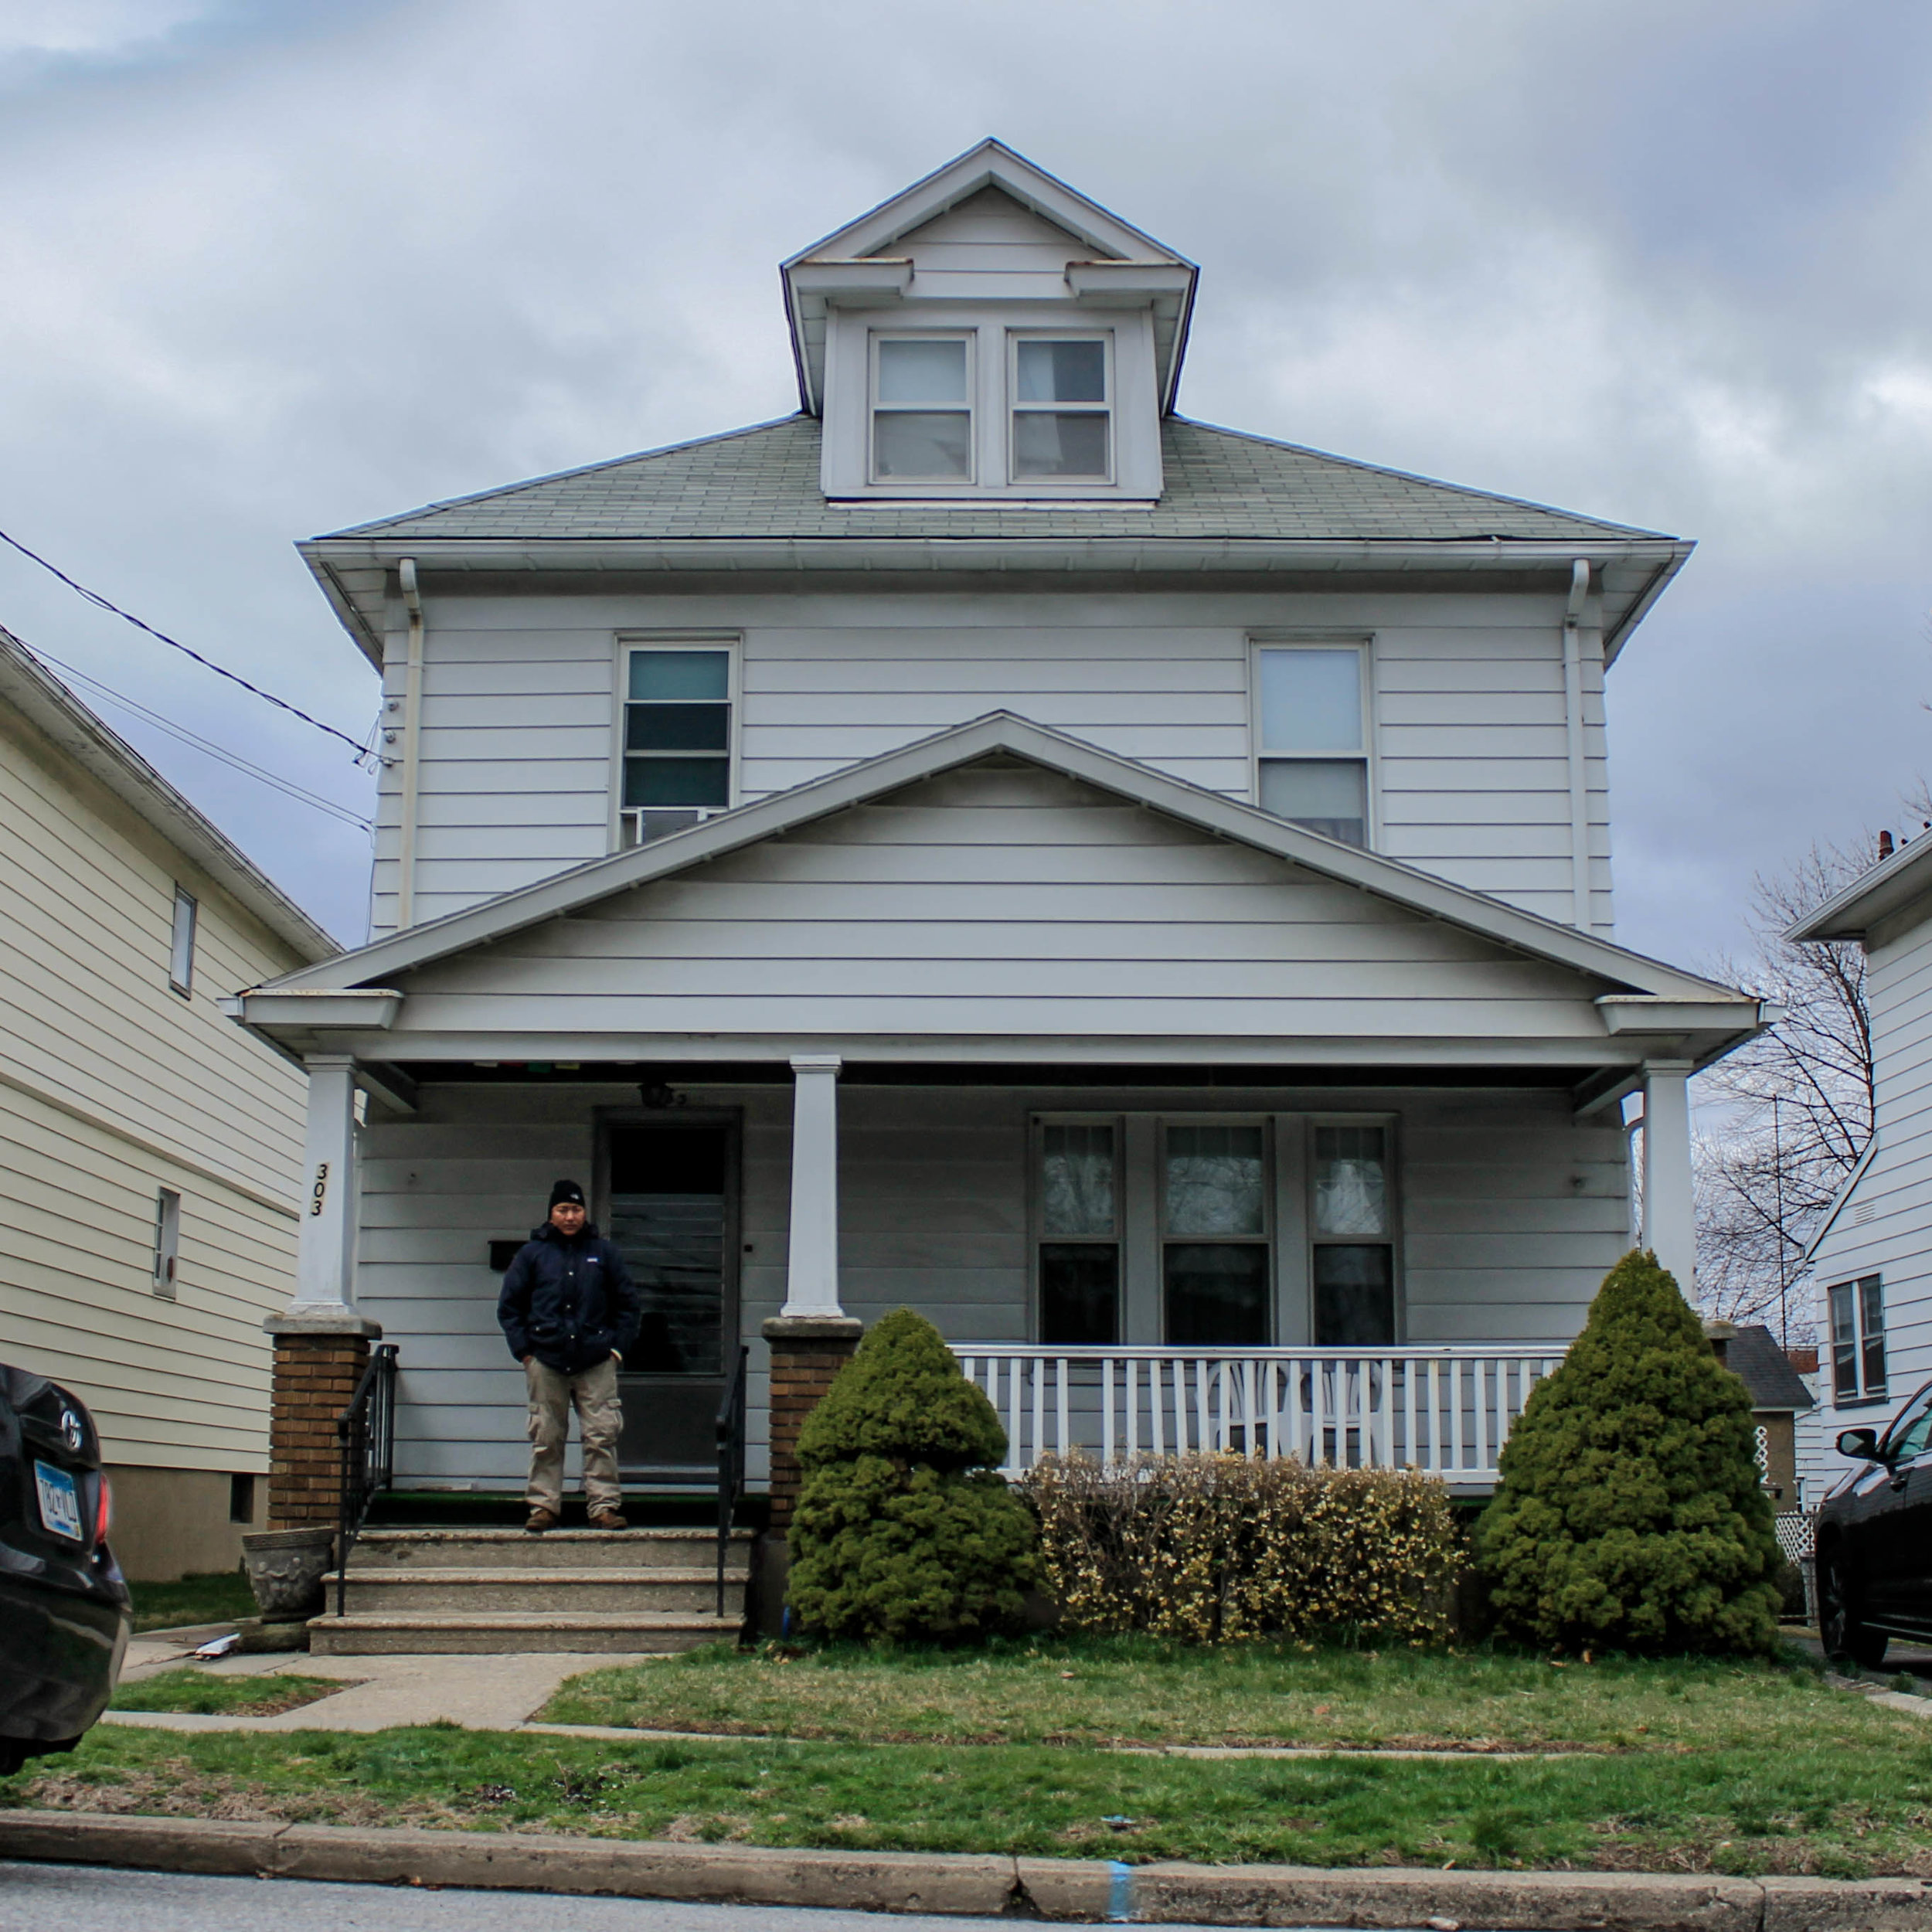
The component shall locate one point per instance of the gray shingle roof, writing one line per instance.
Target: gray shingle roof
(764, 482)
(1753, 1354)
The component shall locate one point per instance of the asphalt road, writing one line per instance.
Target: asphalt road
(88, 1898)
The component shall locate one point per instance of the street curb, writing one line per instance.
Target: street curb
(987, 1886)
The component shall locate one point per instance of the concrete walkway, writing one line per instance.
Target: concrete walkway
(482, 1693)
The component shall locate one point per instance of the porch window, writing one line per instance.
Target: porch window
(1062, 411)
(1080, 1250)
(1352, 1265)
(677, 738)
(1310, 738)
(922, 415)
(1857, 1339)
(1214, 1250)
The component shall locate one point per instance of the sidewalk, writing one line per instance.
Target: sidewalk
(481, 1693)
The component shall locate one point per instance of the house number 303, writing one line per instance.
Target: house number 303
(319, 1193)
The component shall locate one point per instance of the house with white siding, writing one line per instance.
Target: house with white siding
(150, 1154)
(1136, 891)
(1871, 1256)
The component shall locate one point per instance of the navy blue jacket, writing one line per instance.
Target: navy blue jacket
(567, 1300)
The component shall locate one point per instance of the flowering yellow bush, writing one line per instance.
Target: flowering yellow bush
(1209, 1547)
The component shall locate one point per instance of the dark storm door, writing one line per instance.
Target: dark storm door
(670, 1192)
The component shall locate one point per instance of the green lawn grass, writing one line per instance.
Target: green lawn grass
(201, 1691)
(222, 1597)
(1852, 1798)
(1139, 1691)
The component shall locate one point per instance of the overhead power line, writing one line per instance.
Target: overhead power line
(94, 597)
(182, 735)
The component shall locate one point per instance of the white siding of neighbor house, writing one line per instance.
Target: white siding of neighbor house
(1885, 1227)
(1470, 771)
(112, 1087)
(1511, 1214)
(993, 900)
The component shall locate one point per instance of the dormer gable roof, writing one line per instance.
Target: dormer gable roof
(873, 260)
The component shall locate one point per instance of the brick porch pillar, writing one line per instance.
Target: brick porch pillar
(319, 1358)
(806, 1351)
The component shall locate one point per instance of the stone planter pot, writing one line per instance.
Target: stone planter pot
(286, 1568)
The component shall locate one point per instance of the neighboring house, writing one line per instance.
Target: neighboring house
(1871, 1257)
(1779, 1397)
(1136, 891)
(149, 1153)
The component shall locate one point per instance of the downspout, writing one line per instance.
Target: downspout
(1573, 722)
(412, 747)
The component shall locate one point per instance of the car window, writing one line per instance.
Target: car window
(1910, 1434)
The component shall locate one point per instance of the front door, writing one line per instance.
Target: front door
(671, 1207)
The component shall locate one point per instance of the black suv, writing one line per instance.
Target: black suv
(64, 1605)
(1875, 1539)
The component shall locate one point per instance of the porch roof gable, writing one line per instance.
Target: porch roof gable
(1631, 980)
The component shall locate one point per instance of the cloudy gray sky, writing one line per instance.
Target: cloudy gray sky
(270, 269)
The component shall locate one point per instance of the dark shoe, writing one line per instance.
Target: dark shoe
(608, 1519)
(539, 1520)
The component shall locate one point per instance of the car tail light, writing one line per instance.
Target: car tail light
(103, 1511)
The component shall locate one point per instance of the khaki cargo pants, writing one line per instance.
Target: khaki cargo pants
(599, 1417)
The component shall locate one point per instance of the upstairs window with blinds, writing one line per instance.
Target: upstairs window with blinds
(1062, 415)
(1311, 738)
(678, 738)
(922, 413)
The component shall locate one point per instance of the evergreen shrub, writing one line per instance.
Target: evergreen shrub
(904, 1530)
(1629, 1514)
(1206, 1548)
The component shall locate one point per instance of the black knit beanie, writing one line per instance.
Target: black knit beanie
(566, 1191)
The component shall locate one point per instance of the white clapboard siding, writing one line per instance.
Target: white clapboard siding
(1511, 1214)
(953, 906)
(113, 1086)
(1885, 1228)
(1471, 744)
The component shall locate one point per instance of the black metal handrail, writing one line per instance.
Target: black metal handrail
(366, 1430)
(731, 1463)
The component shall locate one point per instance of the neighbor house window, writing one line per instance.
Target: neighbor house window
(677, 738)
(1080, 1230)
(1352, 1264)
(1312, 742)
(181, 944)
(167, 1240)
(1062, 415)
(1857, 1339)
(1214, 1224)
(922, 413)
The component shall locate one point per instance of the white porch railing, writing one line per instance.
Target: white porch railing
(1446, 1409)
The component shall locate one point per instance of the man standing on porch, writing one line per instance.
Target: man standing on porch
(569, 1312)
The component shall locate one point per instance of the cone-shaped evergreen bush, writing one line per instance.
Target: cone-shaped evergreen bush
(1630, 1513)
(903, 1531)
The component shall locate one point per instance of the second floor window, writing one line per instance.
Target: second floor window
(677, 738)
(181, 944)
(1061, 419)
(922, 415)
(1310, 738)
(1857, 1339)
(167, 1253)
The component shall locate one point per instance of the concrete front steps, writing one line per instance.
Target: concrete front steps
(624, 1591)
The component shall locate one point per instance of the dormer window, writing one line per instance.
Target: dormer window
(922, 413)
(1062, 410)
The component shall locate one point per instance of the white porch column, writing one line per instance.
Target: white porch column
(811, 1265)
(325, 1251)
(1670, 1218)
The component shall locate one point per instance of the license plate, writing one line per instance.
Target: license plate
(59, 1501)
